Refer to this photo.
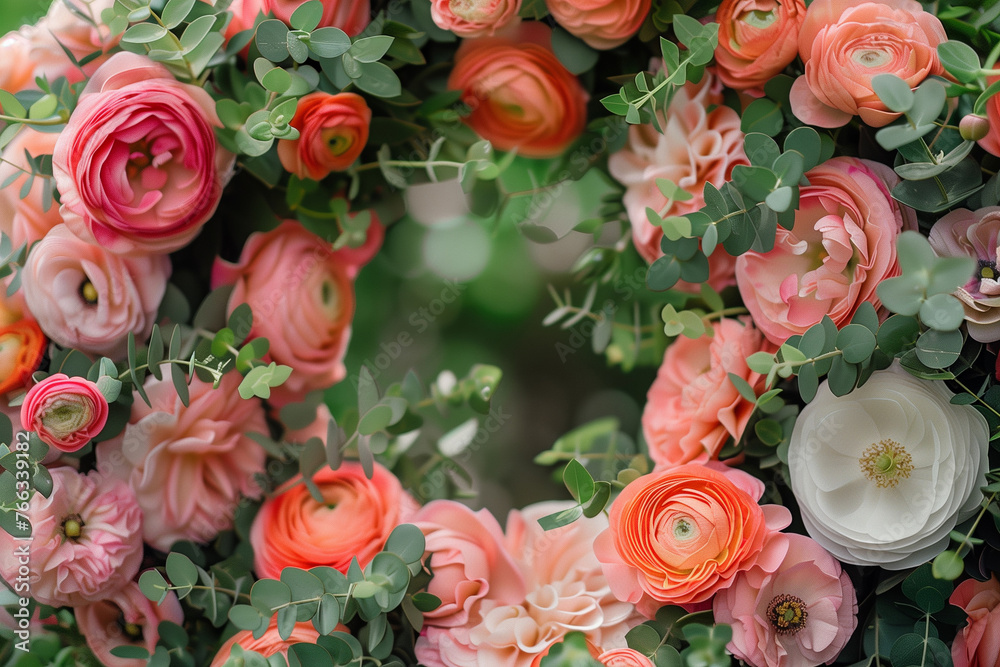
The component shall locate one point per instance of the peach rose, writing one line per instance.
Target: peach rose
(757, 39)
(475, 18)
(65, 412)
(602, 24)
(86, 540)
(692, 409)
(125, 618)
(18, 72)
(470, 562)
(520, 95)
(189, 466)
(842, 246)
(270, 643)
(137, 165)
(845, 43)
(293, 530)
(680, 535)
(88, 298)
(978, 643)
(22, 345)
(66, 27)
(351, 16)
(624, 657)
(697, 146)
(333, 131)
(24, 219)
(301, 294)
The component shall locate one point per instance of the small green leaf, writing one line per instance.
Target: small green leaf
(307, 16)
(893, 91)
(578, 481)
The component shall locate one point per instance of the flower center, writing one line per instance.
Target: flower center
(871, 57)
(787, 614)
(73, 526)
(467, 9)
(987, 270)
(88, 292)
(683, 529)
(132, 630)
(886, 463)
(66, 416)
(759, 19)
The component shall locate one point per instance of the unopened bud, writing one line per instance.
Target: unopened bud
(973, 127)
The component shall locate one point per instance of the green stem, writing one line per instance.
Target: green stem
(969, 391)
(410, 163)
(51, 120)
(975, 524)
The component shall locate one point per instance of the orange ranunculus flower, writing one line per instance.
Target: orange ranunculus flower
(270, 643)
(757, 39)
(293, 530)
(21, 347)
(602, 24)
(332, 129)
(845, 43)
(678, 536)
(521, 96)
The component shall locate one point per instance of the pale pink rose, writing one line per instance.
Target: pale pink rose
(469, 561)
(125, 618)
(692, 409)
(18, 72)
(301, 294)
(189, 466)
(842, 246)
(680, 535)
(24, 219)
(697, 146)
(800, 613)
(475, 18)
(138, 167)
(270, 643)
(65, 412)
(351, 16)
(602, 24)
(86, 540)
(81, 37)
(975, 234)
(624, 657)
(87, 298)
(978, 643)
(293, 530)
(845, 43)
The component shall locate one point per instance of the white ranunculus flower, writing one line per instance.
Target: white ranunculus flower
(884, 474)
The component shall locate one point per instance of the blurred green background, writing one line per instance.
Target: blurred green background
(448, 292)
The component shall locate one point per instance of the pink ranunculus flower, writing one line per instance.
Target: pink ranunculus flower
(24, 219)
(975, 234)
(301, 293)
(138, 165)
(470, 562)
(87, 298)
(125, 618)
(842, 246)
(293, 530)
(351, 16)
(65, 412)
(798, 614)
(602, 24)
(189, 466)
(978, 643)
(697, 146)
(846, 43)
(475, 18)
(86, 540)
(692, 409)
(624, 657)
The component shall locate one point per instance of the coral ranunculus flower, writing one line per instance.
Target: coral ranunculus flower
(692, 409)
(800, 613)
(332, 129)
(138, 166)
(475, 18)
(842, 246)
(681, 535)
(520, 95)
(351, 16)
(845, 43)
(22, 345)
(292, 529)
(978, 643)
(270, 643)
(602, 24)
(757, 39)
(624, 657)
(65, 412)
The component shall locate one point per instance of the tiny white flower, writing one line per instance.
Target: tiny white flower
(883, 474)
